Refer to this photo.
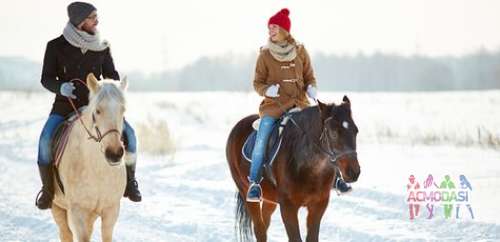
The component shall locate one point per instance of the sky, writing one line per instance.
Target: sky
(152, 36)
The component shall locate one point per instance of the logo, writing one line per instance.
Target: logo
(447, 196)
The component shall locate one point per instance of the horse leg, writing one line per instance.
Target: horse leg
(267, 210)
(315, 212)
(61, 218)
(259, 227)
(289, 216)
(79, 223)
(90, 223)
(109, 218)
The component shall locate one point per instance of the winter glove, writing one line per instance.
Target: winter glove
(272, 91)
(312, 92)
(67, 90)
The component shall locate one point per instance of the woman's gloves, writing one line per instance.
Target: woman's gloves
(312, 92)
(272, 91)
(67, 90)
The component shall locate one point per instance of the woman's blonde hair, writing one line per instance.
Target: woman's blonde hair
(287, 36)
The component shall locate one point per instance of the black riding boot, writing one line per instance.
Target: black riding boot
(341, 186)
(132, 189)
(45, 196)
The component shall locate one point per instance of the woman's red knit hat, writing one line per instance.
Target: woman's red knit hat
(281, 19)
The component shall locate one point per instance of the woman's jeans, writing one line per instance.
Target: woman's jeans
(265, 127)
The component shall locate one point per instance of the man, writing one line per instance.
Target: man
(74, 54)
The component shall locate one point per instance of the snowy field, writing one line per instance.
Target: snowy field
(188, 194)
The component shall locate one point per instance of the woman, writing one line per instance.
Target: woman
(74, 54)
(284, 76)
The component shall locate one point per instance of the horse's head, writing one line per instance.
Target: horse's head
(107, 107)
(339, 135)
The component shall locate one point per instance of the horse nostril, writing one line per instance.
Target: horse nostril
(108, 153)
(356, 175)
(120, 152)
(353, 175)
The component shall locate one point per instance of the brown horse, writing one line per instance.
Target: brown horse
(317, 142)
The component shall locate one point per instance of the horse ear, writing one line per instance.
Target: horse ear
(124, 83)
(323, 110)
(92, 83)
(346, 100)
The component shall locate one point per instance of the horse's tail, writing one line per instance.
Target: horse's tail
(243, 223)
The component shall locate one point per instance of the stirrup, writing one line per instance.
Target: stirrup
(37, 197)
(256, 186)
(337, 190)
(40, 194)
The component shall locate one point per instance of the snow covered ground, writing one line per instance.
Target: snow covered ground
(189, 195)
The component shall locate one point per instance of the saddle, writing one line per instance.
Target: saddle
(58, 145)
(60, 139)
(273, 144)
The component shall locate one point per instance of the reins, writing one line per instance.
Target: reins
(333, 156)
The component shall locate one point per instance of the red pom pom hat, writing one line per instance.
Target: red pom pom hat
(281, 19)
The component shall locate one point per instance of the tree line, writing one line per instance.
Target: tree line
(377, 72)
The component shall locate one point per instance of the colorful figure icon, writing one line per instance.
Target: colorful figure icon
(412, 187)
(447, 184)
(465, 184)
(427, 185)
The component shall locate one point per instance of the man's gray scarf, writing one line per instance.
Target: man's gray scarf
(84, 40)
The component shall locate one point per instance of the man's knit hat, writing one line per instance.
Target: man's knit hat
(79, 11)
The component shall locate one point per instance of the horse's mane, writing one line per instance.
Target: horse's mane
(109, 89)
(302, 147)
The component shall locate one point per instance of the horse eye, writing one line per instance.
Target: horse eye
(98, 111)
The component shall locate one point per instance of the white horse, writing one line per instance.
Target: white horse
(92, 171)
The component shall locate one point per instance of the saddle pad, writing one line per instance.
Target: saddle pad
(273, 146)
(60, 139)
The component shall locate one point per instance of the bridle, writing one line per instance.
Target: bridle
(333, 155)
(99, 136)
